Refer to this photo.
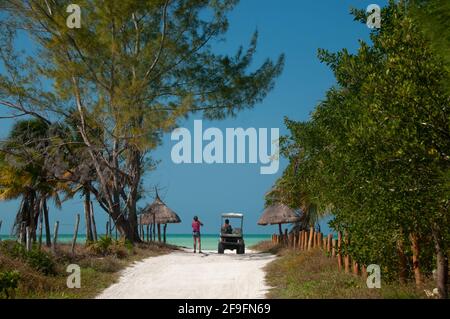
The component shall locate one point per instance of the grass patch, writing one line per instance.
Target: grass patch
(312, 275)
(42, 274)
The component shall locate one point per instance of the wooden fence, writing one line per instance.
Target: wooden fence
(332, 247)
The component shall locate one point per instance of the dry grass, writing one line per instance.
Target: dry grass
(97, 272)
(312, 275)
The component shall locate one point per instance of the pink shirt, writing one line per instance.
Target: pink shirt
(196, 226)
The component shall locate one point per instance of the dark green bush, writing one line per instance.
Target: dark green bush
(9, 281)
(102, 246)
(35, 258)
(41, 261)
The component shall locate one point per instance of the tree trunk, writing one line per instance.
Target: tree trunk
(48, 238)
(403, 270)
(41, 220)
(92, 219)
(135, 165)
(125, 230)
(339, 251)
(87, 215)
(415, 248)
(442, 263)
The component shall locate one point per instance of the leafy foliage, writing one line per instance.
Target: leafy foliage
(132, 71)
(35, 258)
(376, 150)
(9, 281)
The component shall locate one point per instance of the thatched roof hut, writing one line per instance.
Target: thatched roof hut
(278, 214)
(158, 213)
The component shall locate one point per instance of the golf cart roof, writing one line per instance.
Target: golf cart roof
(232, 215)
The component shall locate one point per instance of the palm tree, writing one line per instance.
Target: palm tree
(289, 190)
(23, 175)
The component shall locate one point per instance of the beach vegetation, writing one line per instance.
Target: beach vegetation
(130, 73)
(42, 274)
(313, 275)
(375, 153)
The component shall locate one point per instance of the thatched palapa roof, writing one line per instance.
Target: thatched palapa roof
(159, 213)
(278, 214)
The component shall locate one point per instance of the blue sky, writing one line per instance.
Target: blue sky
(296, 28)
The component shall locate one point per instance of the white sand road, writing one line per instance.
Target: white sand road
(185, 275)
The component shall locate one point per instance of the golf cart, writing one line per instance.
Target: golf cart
(233, 237)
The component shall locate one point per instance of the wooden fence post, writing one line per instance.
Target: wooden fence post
(339, 251)
(1, 228)
(110, 226)
(311, 238)
(305, 240)
(75, 234)
(364, 272)
(28, 238)
(139, 221)
(333, 248)
(347, 259)
(314, 244)
(329, 240)
(300, 240)
(55, 236)
(107, 229)
(294, 235)
(159, 233)
(355, 268)
(347, 264)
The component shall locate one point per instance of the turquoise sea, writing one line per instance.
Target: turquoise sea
(209, 241)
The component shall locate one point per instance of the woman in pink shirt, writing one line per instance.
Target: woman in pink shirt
(196, 224)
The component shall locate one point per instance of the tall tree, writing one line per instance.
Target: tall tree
(376, 150)
(25, 174)
(133, 69)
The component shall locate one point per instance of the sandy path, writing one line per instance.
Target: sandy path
(184, 275)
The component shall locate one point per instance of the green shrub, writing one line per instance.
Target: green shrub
(102, 246)
(9, 281)
(35, 258)
(107, 246)
(41, 261)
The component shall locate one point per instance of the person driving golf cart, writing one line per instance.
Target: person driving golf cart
(231, 238)
(226, 228)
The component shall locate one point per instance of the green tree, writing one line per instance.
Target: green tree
(25, 173)
(376, 150)
(133, 69)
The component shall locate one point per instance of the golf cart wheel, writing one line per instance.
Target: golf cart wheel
(240, 250)
(221, 249)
